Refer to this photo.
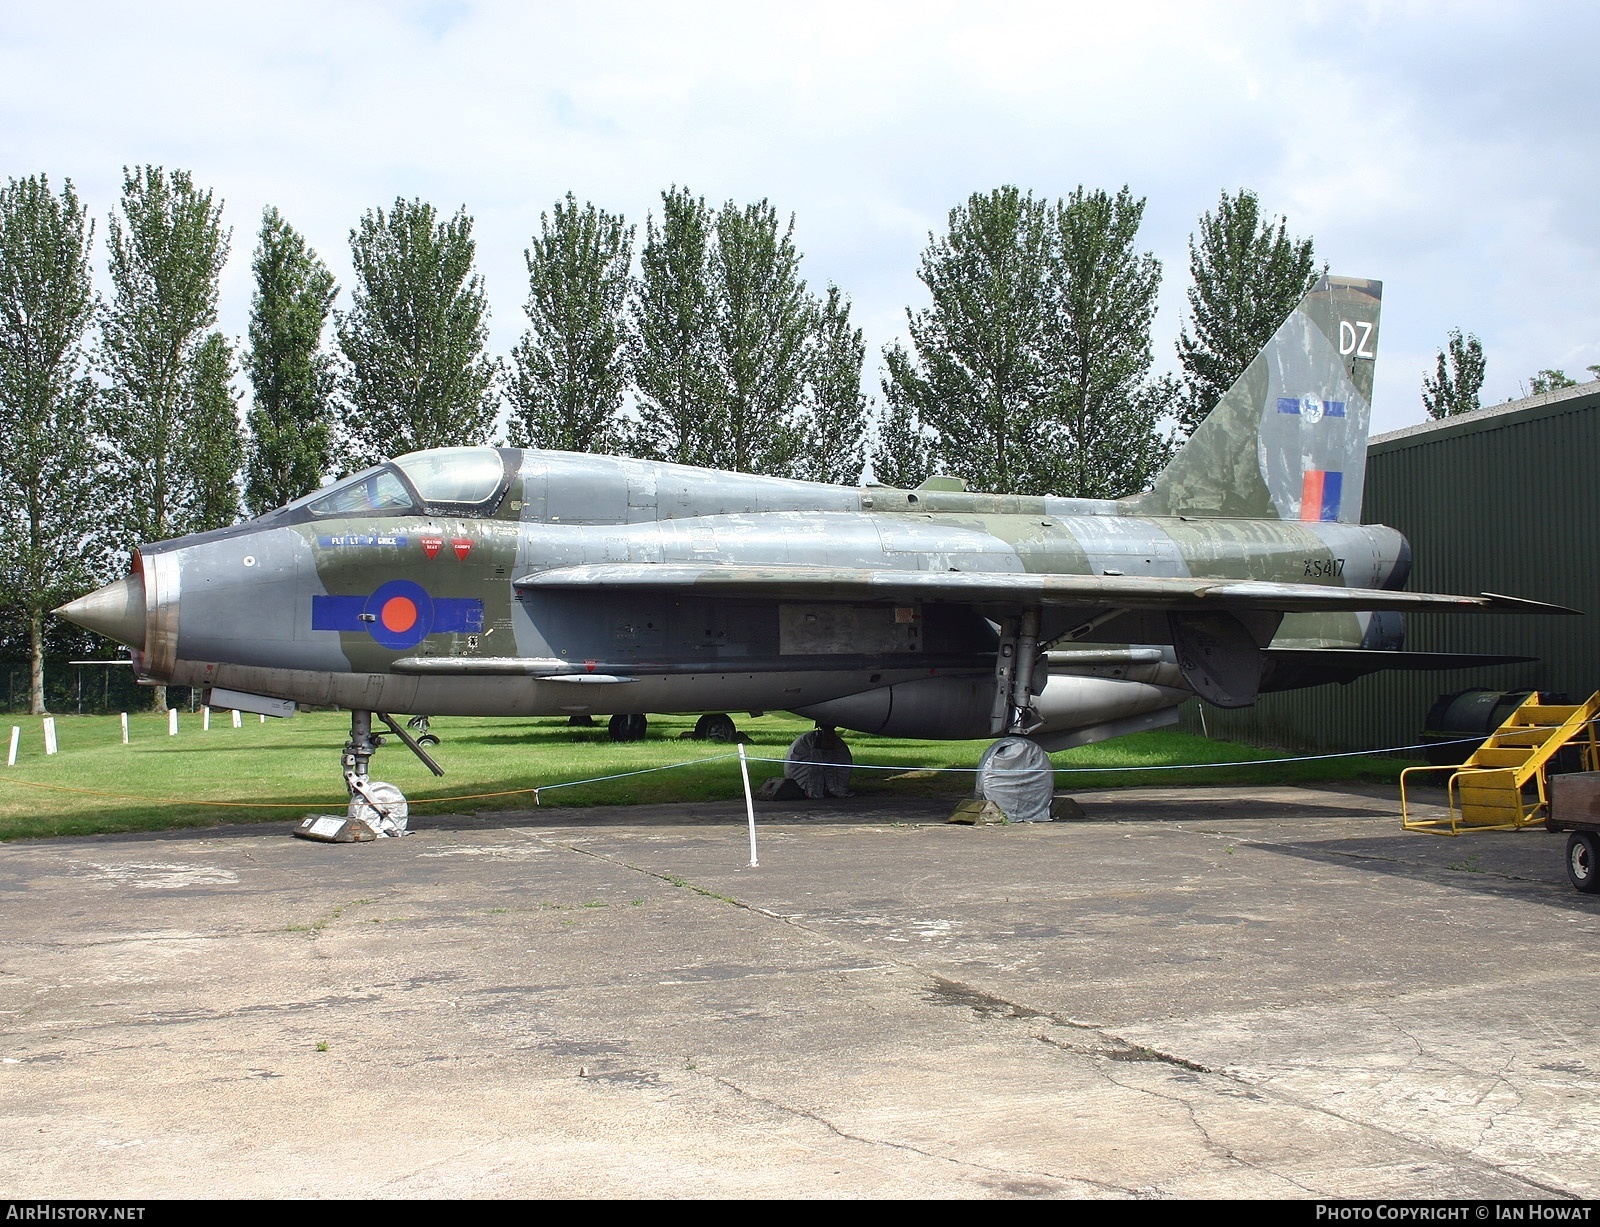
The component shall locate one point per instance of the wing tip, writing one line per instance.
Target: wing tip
(1521, 604)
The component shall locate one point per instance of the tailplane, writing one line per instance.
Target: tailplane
(1288, 440)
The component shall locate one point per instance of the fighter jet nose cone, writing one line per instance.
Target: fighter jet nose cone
(115, 611)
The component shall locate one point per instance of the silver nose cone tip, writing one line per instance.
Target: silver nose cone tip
(115, 611)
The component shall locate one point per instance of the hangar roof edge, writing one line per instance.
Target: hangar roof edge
(1529, 408)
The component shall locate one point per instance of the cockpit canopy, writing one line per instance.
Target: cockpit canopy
(470, 475)
(447, 480)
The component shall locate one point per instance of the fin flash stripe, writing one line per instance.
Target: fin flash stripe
(1319, 494)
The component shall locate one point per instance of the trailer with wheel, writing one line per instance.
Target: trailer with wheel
(1575, 808)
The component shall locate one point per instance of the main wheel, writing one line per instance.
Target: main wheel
(1583, 861)
(716, 726)
(627, 727)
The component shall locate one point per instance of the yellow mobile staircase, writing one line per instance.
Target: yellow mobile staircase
(1486, 792)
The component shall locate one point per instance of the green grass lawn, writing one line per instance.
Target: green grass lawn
(283, 769)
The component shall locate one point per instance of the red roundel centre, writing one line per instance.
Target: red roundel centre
(399, 614)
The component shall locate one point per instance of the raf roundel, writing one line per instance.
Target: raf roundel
(399, 615)
(402, 614)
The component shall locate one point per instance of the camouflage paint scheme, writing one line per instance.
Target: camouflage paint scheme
(507, 582)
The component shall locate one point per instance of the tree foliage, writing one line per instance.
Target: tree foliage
(1103, 428)
(1031, 366)
(833, 419)
(1549, 380)
(735, 365)
(762, 322)
(670, 339)
(216, 446)
(417, 374)
(569, 372)
(290, 373)
(902, 445)
(50, 506)
(978, 379)
(167, 252)
(1458, 381)
(1247, 275)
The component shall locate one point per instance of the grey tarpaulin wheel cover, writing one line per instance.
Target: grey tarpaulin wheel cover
(819, 762)
(1015, 774)
(1583, 861)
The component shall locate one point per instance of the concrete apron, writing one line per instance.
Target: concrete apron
(1224, 993)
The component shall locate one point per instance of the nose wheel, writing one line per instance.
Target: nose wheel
(376, 803)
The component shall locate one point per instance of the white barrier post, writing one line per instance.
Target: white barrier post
(263, 718)
(237, 723)
(49, 734)
(124, 728)
(16, 736)
(205, 719)
(172, 722)
(749, 806)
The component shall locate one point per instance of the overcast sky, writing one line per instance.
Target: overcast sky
(1449, 150)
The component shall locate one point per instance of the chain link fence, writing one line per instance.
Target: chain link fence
(87, 688)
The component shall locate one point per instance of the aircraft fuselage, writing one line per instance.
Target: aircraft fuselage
(417, 610)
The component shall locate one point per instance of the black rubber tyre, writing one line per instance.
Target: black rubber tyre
(428, 739)
(716, 726)
(627, 727)
(1583, 861)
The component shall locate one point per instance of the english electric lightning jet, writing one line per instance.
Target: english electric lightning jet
(496, 581)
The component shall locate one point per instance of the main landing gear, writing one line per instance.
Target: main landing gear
(379, 805)
(1014, 772)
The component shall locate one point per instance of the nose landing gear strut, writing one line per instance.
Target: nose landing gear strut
(380, 805)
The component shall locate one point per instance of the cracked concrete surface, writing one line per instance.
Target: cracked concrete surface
(1223, 993)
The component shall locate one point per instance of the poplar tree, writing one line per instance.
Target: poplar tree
(833, 420)
(978, 375)
(216, 444)
(1248, 275)
(1456, 385)
(1104, 436)
(416, 374)
(901, 449)
(569, 372)
(163, 408)
(291, 374)
(762, 323)
(669, 343)
(50, 503)
(735, 365)
(167, 252)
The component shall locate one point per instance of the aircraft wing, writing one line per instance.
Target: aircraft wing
(1006, 588)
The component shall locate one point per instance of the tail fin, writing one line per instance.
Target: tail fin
(1288, 440)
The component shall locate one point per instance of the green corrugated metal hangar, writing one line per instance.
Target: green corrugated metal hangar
(1502, 500)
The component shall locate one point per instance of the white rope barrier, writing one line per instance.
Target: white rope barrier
(1241, 762)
